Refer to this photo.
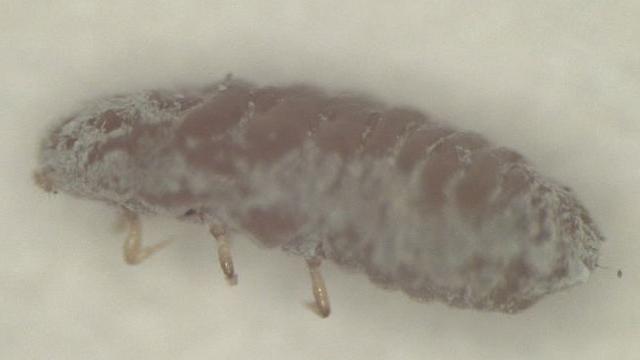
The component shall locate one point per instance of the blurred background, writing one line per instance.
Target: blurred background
(557, 80)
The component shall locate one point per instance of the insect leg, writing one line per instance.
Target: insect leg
(134, 252)
(318, 287)
(224, 253)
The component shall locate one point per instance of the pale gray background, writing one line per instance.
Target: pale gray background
(557, 80)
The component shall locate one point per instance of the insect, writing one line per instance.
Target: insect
(436, 212)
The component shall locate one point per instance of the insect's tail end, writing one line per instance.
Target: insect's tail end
(618, 272)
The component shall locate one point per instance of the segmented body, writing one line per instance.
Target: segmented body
(436, 212)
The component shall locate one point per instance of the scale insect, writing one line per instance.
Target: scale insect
(436, 212)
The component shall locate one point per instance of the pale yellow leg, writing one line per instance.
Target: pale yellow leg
(224, 253)
(134, 252)
(318, 287)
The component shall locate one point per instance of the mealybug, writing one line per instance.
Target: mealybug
(439, 213)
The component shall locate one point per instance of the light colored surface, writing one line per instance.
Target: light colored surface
(559, 81)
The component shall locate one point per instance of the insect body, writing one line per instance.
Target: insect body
(439, 213)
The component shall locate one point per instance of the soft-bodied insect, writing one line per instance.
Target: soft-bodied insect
(436, 212)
